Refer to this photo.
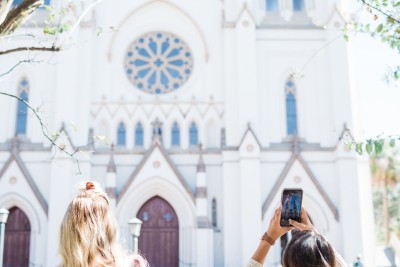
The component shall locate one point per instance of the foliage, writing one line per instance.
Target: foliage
(386, 167)
(382, 23)
(394, 212)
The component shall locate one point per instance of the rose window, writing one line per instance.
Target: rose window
(158, 62)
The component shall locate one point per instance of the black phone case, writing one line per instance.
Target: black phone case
(281, 221)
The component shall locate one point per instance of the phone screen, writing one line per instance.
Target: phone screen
(291, 205)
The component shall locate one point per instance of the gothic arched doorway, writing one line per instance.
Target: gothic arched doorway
(159, 238)
(17, 238)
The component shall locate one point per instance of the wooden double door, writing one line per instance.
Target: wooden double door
(17, 239)
(159, 237)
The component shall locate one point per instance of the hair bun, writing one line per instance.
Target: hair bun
(89, 186)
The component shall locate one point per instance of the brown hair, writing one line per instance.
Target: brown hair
(308, 248)
(89, 232)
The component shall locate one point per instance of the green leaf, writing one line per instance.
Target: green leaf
(368, 148)
(346, 37)
(379, 28)
(392, 142)
(359, 149)
(378, 146)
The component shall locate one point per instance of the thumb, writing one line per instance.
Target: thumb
(296, 224)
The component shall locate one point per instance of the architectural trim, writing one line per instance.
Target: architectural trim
(297, 156)
(249, 129)
(143, 162)
(64, 130)
(345, 131)
(244, 9)
(28, 177)
(125, 19)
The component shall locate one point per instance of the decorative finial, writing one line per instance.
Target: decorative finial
(15, 144)
(201, 167)
(295, 143)
(111, 167)
(157, 130)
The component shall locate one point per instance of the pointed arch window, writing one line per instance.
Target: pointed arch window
(214, 220)
(121, 134)
(272, 5)
(175, 135)
(139, 135)
(193, 134)
(291, 108)
(298, 5)
(22, 109)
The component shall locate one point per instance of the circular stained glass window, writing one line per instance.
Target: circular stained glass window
(158, 62)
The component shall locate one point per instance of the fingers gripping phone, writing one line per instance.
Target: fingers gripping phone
(291, 205)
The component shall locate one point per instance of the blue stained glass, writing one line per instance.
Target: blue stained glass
(174, 73)
(178, 62)
(298, 5)
(22, 112)
(144, 53)
(193, 135)
(152, 79)
(164, 47)
(158, 63)
(175, 135)
(173, 53)
(272, 5)
(153, 47)
(291, 114)
(164, 79)
(139, 62)
(121, 135)
(143, 73)
(139, 134)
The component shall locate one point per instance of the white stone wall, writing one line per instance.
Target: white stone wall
(241, 64)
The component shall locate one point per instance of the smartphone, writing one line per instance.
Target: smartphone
(291, 205)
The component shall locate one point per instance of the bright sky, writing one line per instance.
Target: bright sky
(379, 102)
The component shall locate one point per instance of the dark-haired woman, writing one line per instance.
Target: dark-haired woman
(306, 248)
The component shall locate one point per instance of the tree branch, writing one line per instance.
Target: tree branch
(45, 131)
(17, 16)
(33, 48)
(380, 11)
(19, 63)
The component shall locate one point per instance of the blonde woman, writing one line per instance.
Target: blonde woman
(89, 233)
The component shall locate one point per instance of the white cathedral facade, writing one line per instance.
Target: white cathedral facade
(209, 121)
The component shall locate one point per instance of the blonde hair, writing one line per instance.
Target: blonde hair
(89, 233)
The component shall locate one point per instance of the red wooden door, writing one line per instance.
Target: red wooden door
(159, 238)
(17, 238)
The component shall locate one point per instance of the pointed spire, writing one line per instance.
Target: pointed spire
(223, 138)
(295, 143)
(157, 130)
(201, 167)
(111, 164)
(15, 144)
(90, 139)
